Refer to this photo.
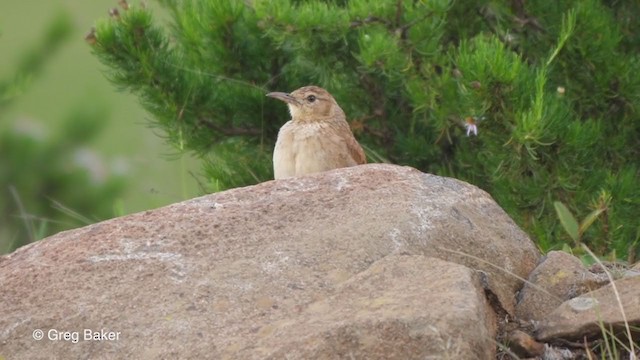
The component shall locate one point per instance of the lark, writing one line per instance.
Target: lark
(317, 138)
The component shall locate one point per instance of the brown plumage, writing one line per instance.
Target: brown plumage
(317, 138)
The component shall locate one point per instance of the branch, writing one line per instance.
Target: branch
(230, 131)
(399, 11)
(368, 20)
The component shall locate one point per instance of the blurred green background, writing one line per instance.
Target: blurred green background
(71, 78)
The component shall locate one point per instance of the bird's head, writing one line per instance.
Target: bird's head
(310, 103)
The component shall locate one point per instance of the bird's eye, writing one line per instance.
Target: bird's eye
(311, 98)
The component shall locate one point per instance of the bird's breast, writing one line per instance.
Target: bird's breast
(306, 148)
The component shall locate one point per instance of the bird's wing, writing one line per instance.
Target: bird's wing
(355, 150)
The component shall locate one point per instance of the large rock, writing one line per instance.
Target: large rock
(310, 263)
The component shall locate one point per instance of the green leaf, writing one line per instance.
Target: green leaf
(568, 221)
(587, 221)
(566, 248)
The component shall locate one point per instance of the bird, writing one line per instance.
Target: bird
(317, 138)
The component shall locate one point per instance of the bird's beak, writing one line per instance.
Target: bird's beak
(284, 97)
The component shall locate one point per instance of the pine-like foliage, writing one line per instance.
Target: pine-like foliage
(553, 88)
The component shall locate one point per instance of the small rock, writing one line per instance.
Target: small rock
(553, 353)
(631, 272)
(524, 345)
(615, 270)
(559, 277)
(584, 315)
(634, 271)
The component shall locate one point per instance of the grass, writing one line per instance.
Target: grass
(614, 346)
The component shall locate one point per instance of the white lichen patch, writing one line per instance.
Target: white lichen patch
(133, 252)
(582, 303)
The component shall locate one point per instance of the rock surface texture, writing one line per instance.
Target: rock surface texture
(373, 261)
